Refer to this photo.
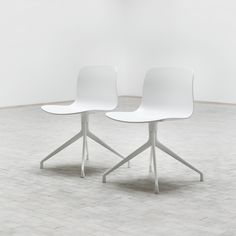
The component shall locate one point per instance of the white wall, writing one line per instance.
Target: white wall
(197, 33)
(44, 43)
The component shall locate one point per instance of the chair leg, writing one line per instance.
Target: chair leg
(85, 133)
(152, 137)
(87, 152)
(152, 128)
(150, 161)
(128, 158)
(63, 146)
(155, 169)
(178, 158)
(99, 141)
(86, 121)
(83, 154)
(84, 127)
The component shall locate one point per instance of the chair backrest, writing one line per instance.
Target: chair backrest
(169, 88)
(98, 85)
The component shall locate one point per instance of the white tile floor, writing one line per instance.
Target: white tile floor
(56, 201)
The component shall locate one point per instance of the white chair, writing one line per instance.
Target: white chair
(167, 95)
(96, 91)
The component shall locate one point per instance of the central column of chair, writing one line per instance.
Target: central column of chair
(153, 139)
(84, 129)
(87, 133)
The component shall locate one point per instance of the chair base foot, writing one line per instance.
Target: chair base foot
(156, 191)
(150, 169)
(129, 164)
(104, 180)
(41, 165)
(201, 178)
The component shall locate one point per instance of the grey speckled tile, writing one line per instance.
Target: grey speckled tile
(56, 201)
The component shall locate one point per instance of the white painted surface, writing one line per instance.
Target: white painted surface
(167, 95)
(96, 91)
(198, 34)
(43, 44)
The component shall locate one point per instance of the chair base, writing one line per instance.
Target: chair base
(152, 143)
(84, 133)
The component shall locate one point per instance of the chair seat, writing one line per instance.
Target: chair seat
(76, 107)
(147, 115)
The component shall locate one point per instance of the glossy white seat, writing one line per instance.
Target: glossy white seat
(146, 115)
(167, 95)
(75, 107)
(96, 91)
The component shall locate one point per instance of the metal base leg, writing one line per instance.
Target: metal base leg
(156, 190)
(87, 152)
(178, 158)
(152, 136)
(152, 142)
(128, 158)
(85, 133)
(63, 146)
(148, 144)
(150, 161)
(102, 143)
(86, 126)
(150, 127)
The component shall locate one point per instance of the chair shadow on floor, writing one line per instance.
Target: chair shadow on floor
(73, 170)
(142, 184)
(146, 185)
